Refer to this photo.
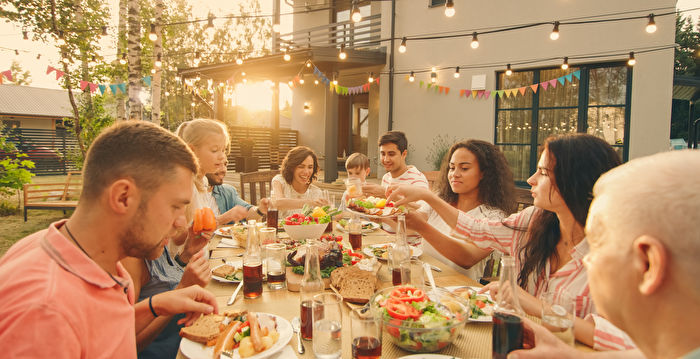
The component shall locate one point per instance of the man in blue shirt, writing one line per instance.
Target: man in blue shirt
(232, 207)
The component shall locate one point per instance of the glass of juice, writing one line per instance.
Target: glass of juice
(276, 254)
(366, 334)
(558, 315)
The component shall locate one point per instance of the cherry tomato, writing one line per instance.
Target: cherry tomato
(400, 310)
(480, 304)
(408, 294)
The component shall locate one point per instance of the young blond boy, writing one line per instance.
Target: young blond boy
(357, 166)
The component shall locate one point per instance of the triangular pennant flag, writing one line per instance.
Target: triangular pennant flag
(147, 80)
(522, 90)
(421, 84)
(113, 87)
(377, 80)
(122, 87)
(474, 93)
(480, 94)
(577, 74)
(553, 82)
(0, 80)
(509, 93)
(83, 85)
(544, 85)
(103, 88)
(534, 87)
(461, 92)
(436, 88)
(7, 74)
(561, 80)
(447, 90)
(430, 85)
(441, 88)
(59, 74)
(93, 87)
(499, 93)
(50, 69)
(568, 77)
(487, 94)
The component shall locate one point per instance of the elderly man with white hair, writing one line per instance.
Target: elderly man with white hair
(644, 234)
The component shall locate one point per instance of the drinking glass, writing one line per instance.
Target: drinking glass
(353, 185)
(558, 315)
(276, 255)
(366, 334)
(268, 235)
(327, 319)
(272, 213)
(412, 272)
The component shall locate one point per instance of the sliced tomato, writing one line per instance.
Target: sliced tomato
(392, 330)
(400, 310)
(480, 304)
(408, 294)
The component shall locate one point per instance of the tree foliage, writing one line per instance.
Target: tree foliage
(686, 63)
(19, 76)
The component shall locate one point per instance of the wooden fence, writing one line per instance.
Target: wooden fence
(50, 150)
(270, 146)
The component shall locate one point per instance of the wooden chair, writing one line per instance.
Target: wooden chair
(62, 195)
(432, 177)
(523, 198)
(261, 178)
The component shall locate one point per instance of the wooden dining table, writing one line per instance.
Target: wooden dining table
(474, 341)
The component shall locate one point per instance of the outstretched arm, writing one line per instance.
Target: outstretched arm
(192, 301)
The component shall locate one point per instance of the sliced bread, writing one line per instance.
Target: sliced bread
(204, 329)
(358, 289)
(224, 270)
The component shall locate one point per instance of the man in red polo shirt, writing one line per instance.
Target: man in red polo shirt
(65, 294)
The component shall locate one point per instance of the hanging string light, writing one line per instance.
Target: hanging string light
(153, 71)
(371, 77)
(122, 60)
(509, 71)
(565, 64)
(239, 60)
(290, 83)
(651, 25)
(38, 56)
(25, 35)
(433, 75)
(631, 61)
(315, 82)
(104, 30)
(554, 35)
(411, 77)
(286, 56)
(342, 54)
(158, 62)
(93, 61)
(210, 22)
(457, 72)
(308, 64)
(301, 81)
(356, 16)
(61, 40)
(167, 93)
(197, 58)
(402, 47)
(475, 41)
(16, 52)
(64, 58)
(335, 78)
(449, 8)
(276, 27)
(152, 34)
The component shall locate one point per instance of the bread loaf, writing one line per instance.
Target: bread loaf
(354, 284)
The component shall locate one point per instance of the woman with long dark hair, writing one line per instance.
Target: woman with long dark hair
(294, 187)
(474, 178)
(547, 239)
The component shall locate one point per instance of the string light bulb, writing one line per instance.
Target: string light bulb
(167, 93)
(632, 61)
(301, 81)
(402, 47)
(152, 34)
(61, 40)
(25, 35)
(307, 108)
(210, 23)
(356, 16)
(315, 82)
(16, 52)
(93, 61)
(342, 54)
(276, 28)
(287, 57)
(554, 35)
(651, 25)
(411, 77)
(239, 60)
(433, 76)
(457, 72)
(104, 30)
(64, 57)
(197, 58)
(475, 41)
(290, 83)
(449, 8)
(38, 57)
(197, 78)
(335, 79)
(509, 71)
(192, 104)
(308, 64)
(123, 59)
(371, 77)
(158, 62)
(565, 64)
(153, 71)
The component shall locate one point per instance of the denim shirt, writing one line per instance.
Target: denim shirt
(227, 197)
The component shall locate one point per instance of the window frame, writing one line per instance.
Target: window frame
(436, 3)
(582, 107)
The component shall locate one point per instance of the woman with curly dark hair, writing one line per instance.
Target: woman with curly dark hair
(474, 178)
(293, 187)
(547, 239)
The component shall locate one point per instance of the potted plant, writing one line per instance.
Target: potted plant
(246, 145)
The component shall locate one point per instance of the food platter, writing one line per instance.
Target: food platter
(381, 250)
(390, 213)
(367, 227)
(194, 350)
(463, 291)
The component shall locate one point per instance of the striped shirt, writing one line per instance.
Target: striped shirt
(412, 176)
(508, 237)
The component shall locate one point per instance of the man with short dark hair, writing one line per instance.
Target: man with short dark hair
(232, 207)
(65, 293)
(393, 149)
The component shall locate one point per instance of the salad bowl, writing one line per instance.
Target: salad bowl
(418, 319)
(305, 231)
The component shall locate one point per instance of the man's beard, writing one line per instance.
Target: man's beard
(214, 180)
(132, 239)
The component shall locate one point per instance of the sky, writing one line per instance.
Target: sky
(11, 38)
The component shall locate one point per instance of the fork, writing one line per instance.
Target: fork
(228, 353)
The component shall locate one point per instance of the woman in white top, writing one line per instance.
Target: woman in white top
(474, 178)
(293, 187)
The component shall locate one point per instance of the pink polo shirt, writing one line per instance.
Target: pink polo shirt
(58, 303)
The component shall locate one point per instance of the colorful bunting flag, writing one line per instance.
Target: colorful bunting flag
(59, 74)
(534, 88)
(113, 87)
(50, 69)
(577, 74)
(122, 87)
(544, 85)
(7, 74)
(568, 77)
(83, 85)
(522, 90)
(103, 88)
(562, 80)
(93, 87)
(147, 80)
(553, 83)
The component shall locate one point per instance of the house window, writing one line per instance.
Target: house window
(597, 102)
(11, 123)
(434, 3)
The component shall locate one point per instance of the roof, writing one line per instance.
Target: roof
(686, 88)
(34, 101)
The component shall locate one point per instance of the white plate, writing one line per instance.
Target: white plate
(415, 251)
(374, 226)
(429, 356)
(219, 232)
(483, 318)
(237, 264)
(194, 350)
(373, 215)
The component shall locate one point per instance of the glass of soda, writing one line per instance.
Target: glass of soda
(276, 254)
(366, 334)
(558, 315)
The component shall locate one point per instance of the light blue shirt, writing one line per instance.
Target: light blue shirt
(695, 354)
(227, 197)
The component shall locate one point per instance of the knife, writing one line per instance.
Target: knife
(235, 293)
(435, 268)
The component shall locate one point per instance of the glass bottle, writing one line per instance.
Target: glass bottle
(355, 232)
(311, 284)
(400, 251)
(507, 332)
(252, 263)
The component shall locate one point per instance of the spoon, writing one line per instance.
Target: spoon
(296, 323)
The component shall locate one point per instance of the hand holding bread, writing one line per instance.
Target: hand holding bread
(192, 301)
